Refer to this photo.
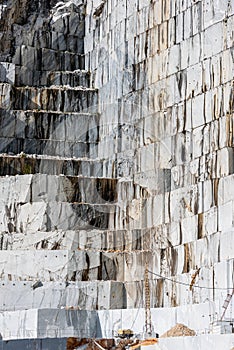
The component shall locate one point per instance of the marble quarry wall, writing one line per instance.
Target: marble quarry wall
(116, 150)
(164, 73)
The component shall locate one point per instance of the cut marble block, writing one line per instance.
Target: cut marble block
(156, 181)
(5, 96)
(56, 99)
(55, 148)
(50, 188)
(225, 189)
(27, 77)
(106, 180)
(202, 341)
(47, 59)
(52, 323)
(206, 251)
(52, 265)
(7, 73)
(22, 164)
(92, 239)
(82, 295)
(49, 323)
(64, 135)
(49, 39)
(73, 79)
(41, 216)
(29, 125)
(91, 295)
(29, 344)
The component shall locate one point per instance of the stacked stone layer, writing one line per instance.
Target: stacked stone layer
(116, 142)
(50, 128)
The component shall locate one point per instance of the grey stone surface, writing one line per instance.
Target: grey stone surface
(56, 99)
(75, 265)
(35, 344)
(76, 127)
(80, 295)
(21, 164)
(7, 73)
(55, 148)
(103, 169)
(25, 76)
(46, 188)
(47, 59)
(49, 323)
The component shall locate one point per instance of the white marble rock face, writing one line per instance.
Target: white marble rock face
(116, 149)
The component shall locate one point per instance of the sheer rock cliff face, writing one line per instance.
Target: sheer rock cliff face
(116, 138)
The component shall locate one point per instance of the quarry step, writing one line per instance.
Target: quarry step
(27, 77)
(75, 127)
(174, 262)
(26, 164)
(163, 69)
(80, 295)
(60, 148)
(54, 216)
(53, 324)
(56, 98)
(51, 39)
(162, 292)
(50, 188)
(47, 60)
(65, 265)
(7, 73)
(59, 98)
(89, 239)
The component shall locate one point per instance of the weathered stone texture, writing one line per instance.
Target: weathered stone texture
(164, 69)
(116, 149)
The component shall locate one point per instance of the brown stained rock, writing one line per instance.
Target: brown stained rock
(123, 343)
(75, 343)
(99, 9)
(146, 342)
(179, 330)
